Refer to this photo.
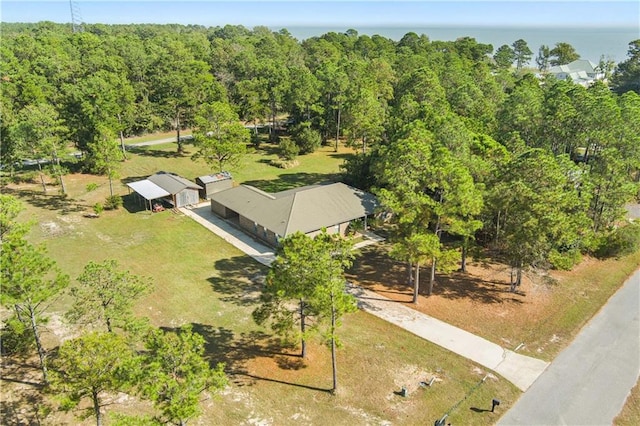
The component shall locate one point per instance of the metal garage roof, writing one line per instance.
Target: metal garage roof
(148, 189)
(216, 177)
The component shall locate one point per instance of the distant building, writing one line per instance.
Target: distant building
(581, 71)
(214, 183)
(308, 209)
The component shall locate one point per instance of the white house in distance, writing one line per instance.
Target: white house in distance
(580, 71)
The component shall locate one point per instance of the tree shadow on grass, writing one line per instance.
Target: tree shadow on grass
(290, 362)
(24, 407)
(153, 151)
(459, 285)
(255, 379)
(23, 401)
(269, 149)
(129, 179)
(376, 270)
(293, 180)
(239, 280)
(51, 200)
(342, 156)
(235, 351)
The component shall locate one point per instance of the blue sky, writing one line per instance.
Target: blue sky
(333, 13)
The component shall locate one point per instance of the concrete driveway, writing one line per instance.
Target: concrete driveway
(520, 370)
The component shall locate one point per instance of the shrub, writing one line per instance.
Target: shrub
(288, 150)
(255, 140)
(91, 187)
(113, 202)
(284, 164)
(565, 260)
(620, 242)
(98, 208)
(356, 225)
(15, 338)
(26, 177)
(307, 139)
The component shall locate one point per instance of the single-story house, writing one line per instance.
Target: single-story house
(580, 71)
(308, 209)
(169, 187)
(214, 183)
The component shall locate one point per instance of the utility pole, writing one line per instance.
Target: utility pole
(76, 18)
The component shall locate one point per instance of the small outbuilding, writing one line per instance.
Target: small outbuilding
(214, 183)
(169, 187)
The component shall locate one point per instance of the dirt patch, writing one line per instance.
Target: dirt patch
(51, 229)
(60, 328)
(413, 378)
(478, 301)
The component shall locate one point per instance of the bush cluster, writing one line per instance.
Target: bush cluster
(621, 241)
(113, 202)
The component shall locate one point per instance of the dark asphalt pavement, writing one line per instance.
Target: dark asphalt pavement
(588, 383)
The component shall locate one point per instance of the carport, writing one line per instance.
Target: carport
(147, 191)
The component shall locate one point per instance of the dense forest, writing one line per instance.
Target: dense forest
(463, 143)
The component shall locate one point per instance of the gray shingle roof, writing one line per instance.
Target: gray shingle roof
(303, 209)
(172, 183)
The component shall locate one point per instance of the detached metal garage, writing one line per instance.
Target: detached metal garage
(169, 187)
(148, 191)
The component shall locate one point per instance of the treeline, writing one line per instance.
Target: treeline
(460, 141)
(132, 79)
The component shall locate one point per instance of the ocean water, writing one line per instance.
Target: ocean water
(591, 43)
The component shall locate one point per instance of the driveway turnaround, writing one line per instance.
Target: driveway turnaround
(588, 383)
(520, 370)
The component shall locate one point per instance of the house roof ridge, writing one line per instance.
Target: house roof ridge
(288, 216)
(259, 191)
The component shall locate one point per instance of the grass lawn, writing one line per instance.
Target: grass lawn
(255, 168)
(201, 280)
(630, 414)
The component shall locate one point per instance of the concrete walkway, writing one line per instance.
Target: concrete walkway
(520, 370)
(370, 238)
(202, 214)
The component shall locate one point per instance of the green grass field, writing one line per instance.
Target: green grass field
(199, 279)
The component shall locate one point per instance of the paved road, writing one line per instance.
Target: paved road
(588, 383)
(150, 143)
